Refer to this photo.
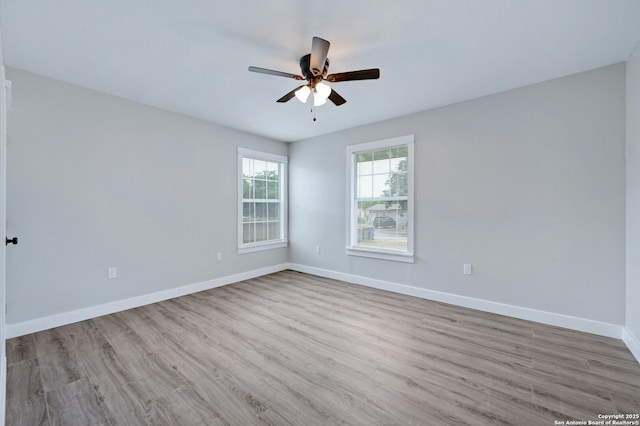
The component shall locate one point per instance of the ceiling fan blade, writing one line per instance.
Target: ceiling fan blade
(289, 95)
(276, 73)
(336, 98)
(370, 74)
(319, 51)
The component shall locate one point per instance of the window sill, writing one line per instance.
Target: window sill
(250, 248)
(381, 254)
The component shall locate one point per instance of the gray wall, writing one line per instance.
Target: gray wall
(633, 194)
(97, 181)
(526, 185)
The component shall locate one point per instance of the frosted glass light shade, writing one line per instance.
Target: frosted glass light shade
(303, 94)
(323, 90)
(318, 100)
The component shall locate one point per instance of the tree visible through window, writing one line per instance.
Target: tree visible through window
(262, 198)
(381, 188)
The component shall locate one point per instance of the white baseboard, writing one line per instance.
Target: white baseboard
(632, 343)
(57, 320)
(550, 318)
(560, 320)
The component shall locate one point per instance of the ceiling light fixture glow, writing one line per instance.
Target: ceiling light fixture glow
(323, 90)
(303, 94)
(318, 100)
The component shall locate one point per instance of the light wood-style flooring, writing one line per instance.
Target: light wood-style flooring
(296, 349)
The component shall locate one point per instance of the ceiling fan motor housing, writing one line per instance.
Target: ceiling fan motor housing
(305, 67)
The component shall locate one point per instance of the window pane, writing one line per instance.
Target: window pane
(259, 168)
(274, 211)
(247, 233)
(395, 163)
(247, 188)
(365, 186)
(260, 189)
(273, 190)
(273, 170)
(398, 184)
(247, 170)
(382, 225)
(402, 211)
(379, 185)
(274, 230)
(261, 211)
(260, 232)
(381, 154)
(364, 156)
(365, 168)
(247, 212)
(381, 166)
(393, 153)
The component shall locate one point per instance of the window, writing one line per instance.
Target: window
(262, 201)
(381, 199)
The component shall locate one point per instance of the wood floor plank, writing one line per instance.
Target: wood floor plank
(25, 403)
(75, 404)
(627, 403)
(208, 380)
(31, 411)
(291, 349)
(97, 356)
(57, 357)
(21, 349)
(124, 403)
(291, 366)
(573, 402)
(589, 345)
(26, 377)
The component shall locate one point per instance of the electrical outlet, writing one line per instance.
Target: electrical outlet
(219, 256)
(112, 272)
(466, 269)
(317, 249)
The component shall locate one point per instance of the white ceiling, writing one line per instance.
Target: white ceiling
(191, 56)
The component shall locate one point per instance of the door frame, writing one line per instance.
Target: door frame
(3, 232)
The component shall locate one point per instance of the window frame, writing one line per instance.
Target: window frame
(283, 191)
(352, 248)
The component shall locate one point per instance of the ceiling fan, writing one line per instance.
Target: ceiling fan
(314, 67)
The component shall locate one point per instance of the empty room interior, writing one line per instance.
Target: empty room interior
(311, 213)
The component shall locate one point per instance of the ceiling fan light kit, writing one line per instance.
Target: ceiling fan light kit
(303, 94)
(318, 100)
(314, 67)
(322, 90)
